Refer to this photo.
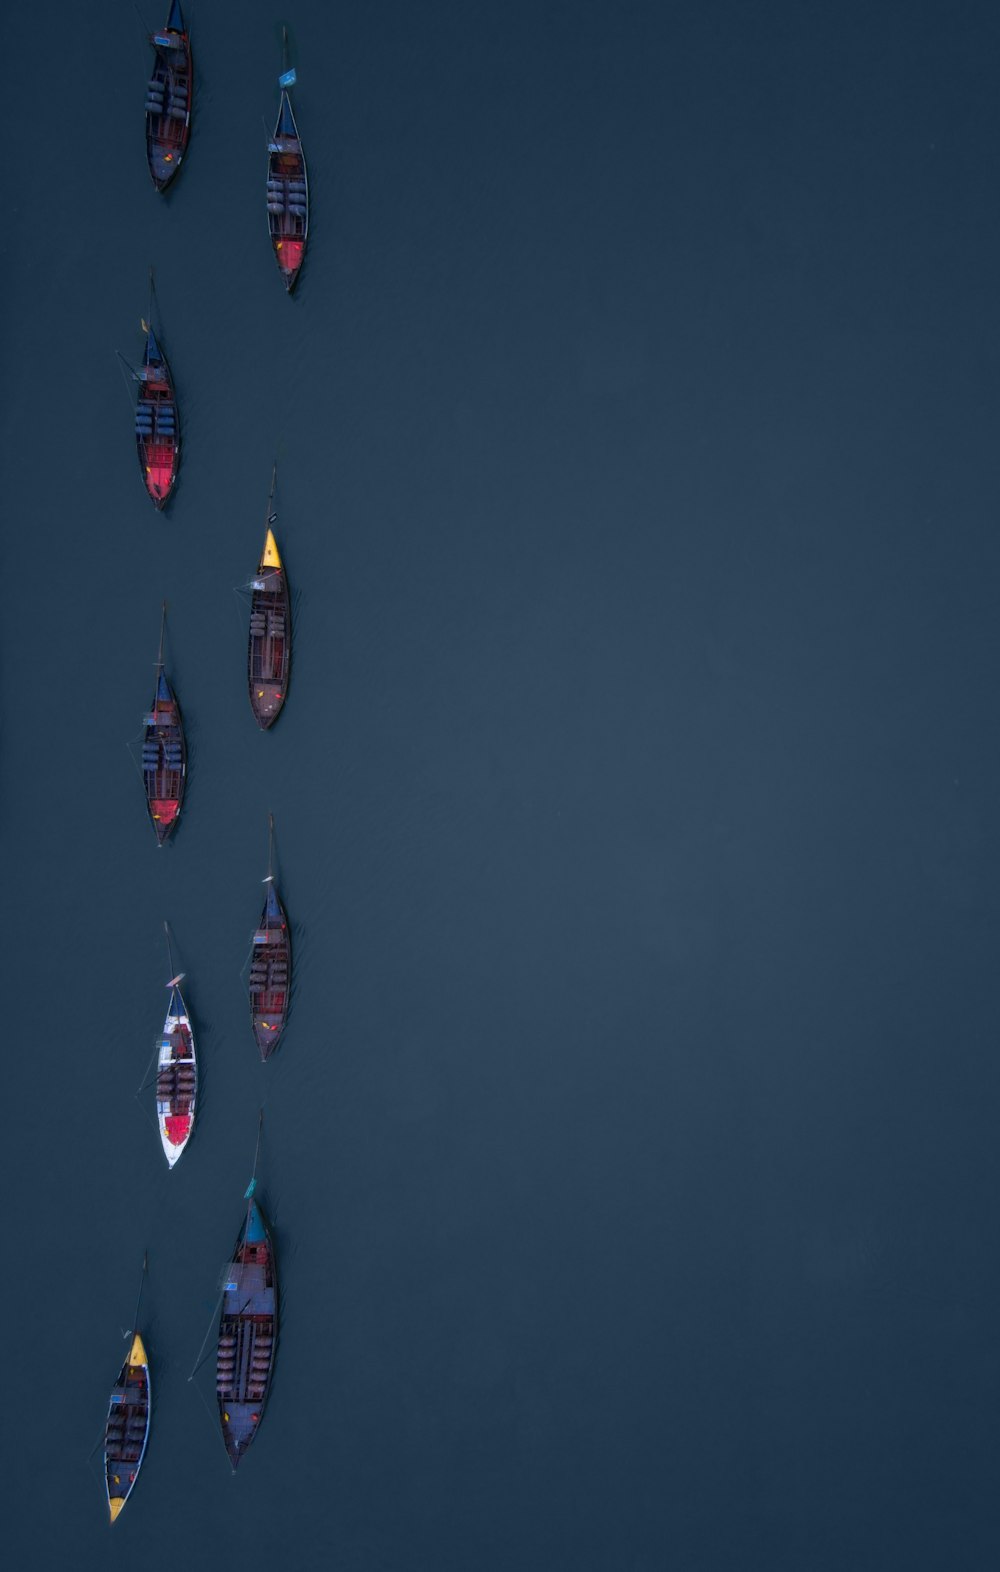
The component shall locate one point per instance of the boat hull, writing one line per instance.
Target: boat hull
(127, 1429)
(269, 657)
(287, 196)
(270, 975)
(176, 1080)
(248, 1334)
(164, 761)
(168, 101)
(157, 426)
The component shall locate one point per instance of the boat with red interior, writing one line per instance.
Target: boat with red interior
(270, 967)
(269, 656)
(164, 753)
(168, 99)
(157, 424)
(287, 188)
(176, 1073)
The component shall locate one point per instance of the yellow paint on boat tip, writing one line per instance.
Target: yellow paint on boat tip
(115, 1505)
(137, 1353)
(270, 559)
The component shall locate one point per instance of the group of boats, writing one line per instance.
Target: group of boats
(246, 1344)
(164, 758)
(169, 95)
(247, 1331)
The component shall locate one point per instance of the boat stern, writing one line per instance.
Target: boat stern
(268, 698)
(164, 812)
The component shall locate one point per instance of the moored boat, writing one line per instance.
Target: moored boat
(157, 427)
(287, 189)
(176, 1075)
(168, 99)
(248, 1332)
(269, 657)
(164, 754)
(127, 1429)
(270, 967)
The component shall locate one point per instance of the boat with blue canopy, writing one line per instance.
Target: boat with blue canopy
(287, 187)
(157, 424)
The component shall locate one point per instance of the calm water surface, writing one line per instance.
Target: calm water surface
(632, 1148)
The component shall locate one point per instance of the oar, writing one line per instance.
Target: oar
(128, 371)
(201, 1352)
(145, 1073)
(270, 849)
(174, 981)
(163, 623)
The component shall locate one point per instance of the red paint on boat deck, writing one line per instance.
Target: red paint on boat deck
(290, 254)
(165, 809)
(178, 1127)
(159, 471)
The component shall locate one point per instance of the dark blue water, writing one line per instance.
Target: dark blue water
(632, 1147)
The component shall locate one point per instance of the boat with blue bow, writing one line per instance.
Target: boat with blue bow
(248, 1332)
(287, 187)
(168, 99)
(157, 424)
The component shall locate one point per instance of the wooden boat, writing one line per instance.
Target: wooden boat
(157, 428)
(176, 1075)
(270, 967)
(127, 1430)
(270, 654)
(248, 1332)
(287, 189)
(164, 756)
(168, 99)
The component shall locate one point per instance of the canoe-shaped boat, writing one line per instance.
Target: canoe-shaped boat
(270, 974)
(248, 1333)
(164, 756)
(157, 427)
(176, 1077)
(127, 1429)
(287, 190)
(168, 99)
(270, 654)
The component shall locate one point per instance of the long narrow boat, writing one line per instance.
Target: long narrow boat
(168, 99)
(287, 189)
(248, 1332)
(176, 1075)
(269, 657)
(127, 1429)
(164, 754)
(157, 426)
(270, 967)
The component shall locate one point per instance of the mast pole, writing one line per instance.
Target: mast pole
(142, 1281)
